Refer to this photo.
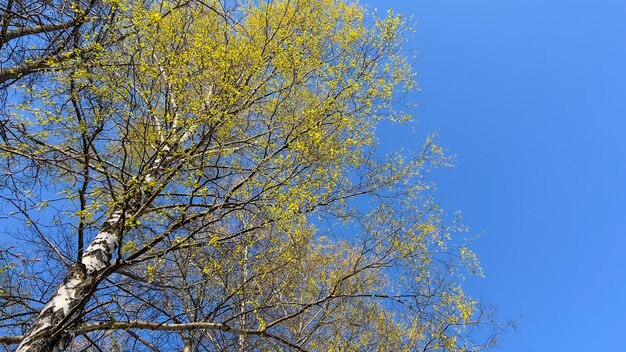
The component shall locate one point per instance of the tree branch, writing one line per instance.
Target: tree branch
(21, 32)
(26, 68)
(145, 325)
(11, 340)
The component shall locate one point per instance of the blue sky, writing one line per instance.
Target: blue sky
(531, 97)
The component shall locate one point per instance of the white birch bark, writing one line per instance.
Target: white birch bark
(47, 333)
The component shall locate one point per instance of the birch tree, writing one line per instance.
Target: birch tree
(209, 181)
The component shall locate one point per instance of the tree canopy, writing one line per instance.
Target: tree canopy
(204, 176)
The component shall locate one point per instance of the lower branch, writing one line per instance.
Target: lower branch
(145, 325)
(10, 340)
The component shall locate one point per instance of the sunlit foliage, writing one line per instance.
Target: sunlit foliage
(208, 179)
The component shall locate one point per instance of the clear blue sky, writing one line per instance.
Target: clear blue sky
(531, 96)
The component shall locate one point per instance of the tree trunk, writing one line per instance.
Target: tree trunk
(50, 330)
